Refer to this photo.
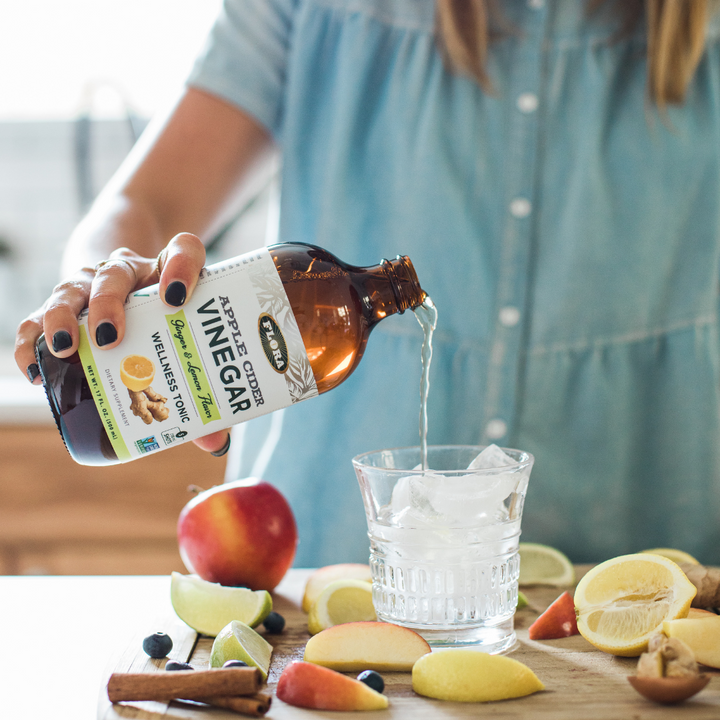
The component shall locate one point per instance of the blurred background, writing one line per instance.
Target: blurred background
(80, 80)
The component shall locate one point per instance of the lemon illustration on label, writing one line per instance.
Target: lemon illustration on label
(136, 373)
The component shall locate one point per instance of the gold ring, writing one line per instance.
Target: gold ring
(158, 264)
(110, 261)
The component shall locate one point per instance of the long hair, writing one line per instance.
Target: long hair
(675, 39)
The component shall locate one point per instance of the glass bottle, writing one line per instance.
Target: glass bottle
(335, 305)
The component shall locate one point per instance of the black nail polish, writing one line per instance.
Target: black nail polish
(62, 340)
(176, 293)
(105, 334)
(32, 371)
(223, 449)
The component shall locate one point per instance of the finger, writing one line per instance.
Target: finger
(27, 334)
(180, 264)
(216, 444)
(114, 280)
(60, 320)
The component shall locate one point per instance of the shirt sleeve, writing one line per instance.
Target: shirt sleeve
(244, 59)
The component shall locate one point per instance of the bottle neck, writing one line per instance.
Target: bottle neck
(404, 283)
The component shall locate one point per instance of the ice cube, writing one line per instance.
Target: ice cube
(491, 457)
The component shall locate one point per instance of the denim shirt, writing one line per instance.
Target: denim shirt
(566, 230)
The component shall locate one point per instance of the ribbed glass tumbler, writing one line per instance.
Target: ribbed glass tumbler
(444, 541)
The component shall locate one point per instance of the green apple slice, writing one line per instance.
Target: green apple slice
(208, 607)
(238, 641)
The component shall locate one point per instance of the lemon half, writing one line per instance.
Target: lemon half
(342, 601)
(622, 602)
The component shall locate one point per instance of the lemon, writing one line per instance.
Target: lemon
(238, 641)
(622, 602)
(544, 565)
(323, 576)
(470, 676)
(342, 601)
(678, 556)
(208, 607)
(136, 372)
(522, 600)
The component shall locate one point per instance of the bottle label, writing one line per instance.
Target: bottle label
(232, 352)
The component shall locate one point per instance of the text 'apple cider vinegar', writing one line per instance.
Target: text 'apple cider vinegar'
(262, 331)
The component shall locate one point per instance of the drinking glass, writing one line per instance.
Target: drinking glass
(444, 541)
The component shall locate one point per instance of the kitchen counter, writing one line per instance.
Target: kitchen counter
(62, 636)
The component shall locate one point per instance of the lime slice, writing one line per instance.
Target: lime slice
(677, 556)
(238, 641)
(208, 607)
(544, 565)
(522, 600)
(342, 601)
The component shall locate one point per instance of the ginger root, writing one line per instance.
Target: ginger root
(667, 657)
(707, 581)
(148, 405)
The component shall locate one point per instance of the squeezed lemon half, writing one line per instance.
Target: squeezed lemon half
(622, 602)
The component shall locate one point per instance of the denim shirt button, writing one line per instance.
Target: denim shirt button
(496, 428)
(520, 207)
(509, 316)
(527, 102)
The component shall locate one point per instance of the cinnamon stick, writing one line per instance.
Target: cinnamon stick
(254, 705)
(186, 684)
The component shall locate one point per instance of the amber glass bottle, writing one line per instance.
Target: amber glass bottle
(335, 306)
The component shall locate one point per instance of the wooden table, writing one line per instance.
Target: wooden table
(62, 636)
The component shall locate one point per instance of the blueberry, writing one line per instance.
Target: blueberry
(274, 623)
(234, 663)
(175, 665)
(157, 645)
(372, 679)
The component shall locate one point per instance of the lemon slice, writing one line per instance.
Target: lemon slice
(136, 372)
(342, 601)
(465, 675)
(238, 641)
(544, 565)
(622, 602)
(322, 577)
(678, 556)
(208, 607)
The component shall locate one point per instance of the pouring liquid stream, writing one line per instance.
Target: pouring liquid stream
(426, 315)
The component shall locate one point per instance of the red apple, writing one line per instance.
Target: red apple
(240, 534)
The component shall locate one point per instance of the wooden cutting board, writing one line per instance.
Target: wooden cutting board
(580, 681)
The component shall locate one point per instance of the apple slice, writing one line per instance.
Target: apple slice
(366, 646)
(322, 577)
(558, 621)
(311, 686)
(464, 675)
(701, 634)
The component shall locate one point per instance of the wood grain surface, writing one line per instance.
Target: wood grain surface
(580, 681)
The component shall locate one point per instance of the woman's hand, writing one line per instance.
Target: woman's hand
(103, 290)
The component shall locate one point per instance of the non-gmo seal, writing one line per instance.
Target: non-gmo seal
(273, 343)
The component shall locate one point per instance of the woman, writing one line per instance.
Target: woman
(553, 172)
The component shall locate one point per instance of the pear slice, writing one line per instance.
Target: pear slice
(465, 675)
